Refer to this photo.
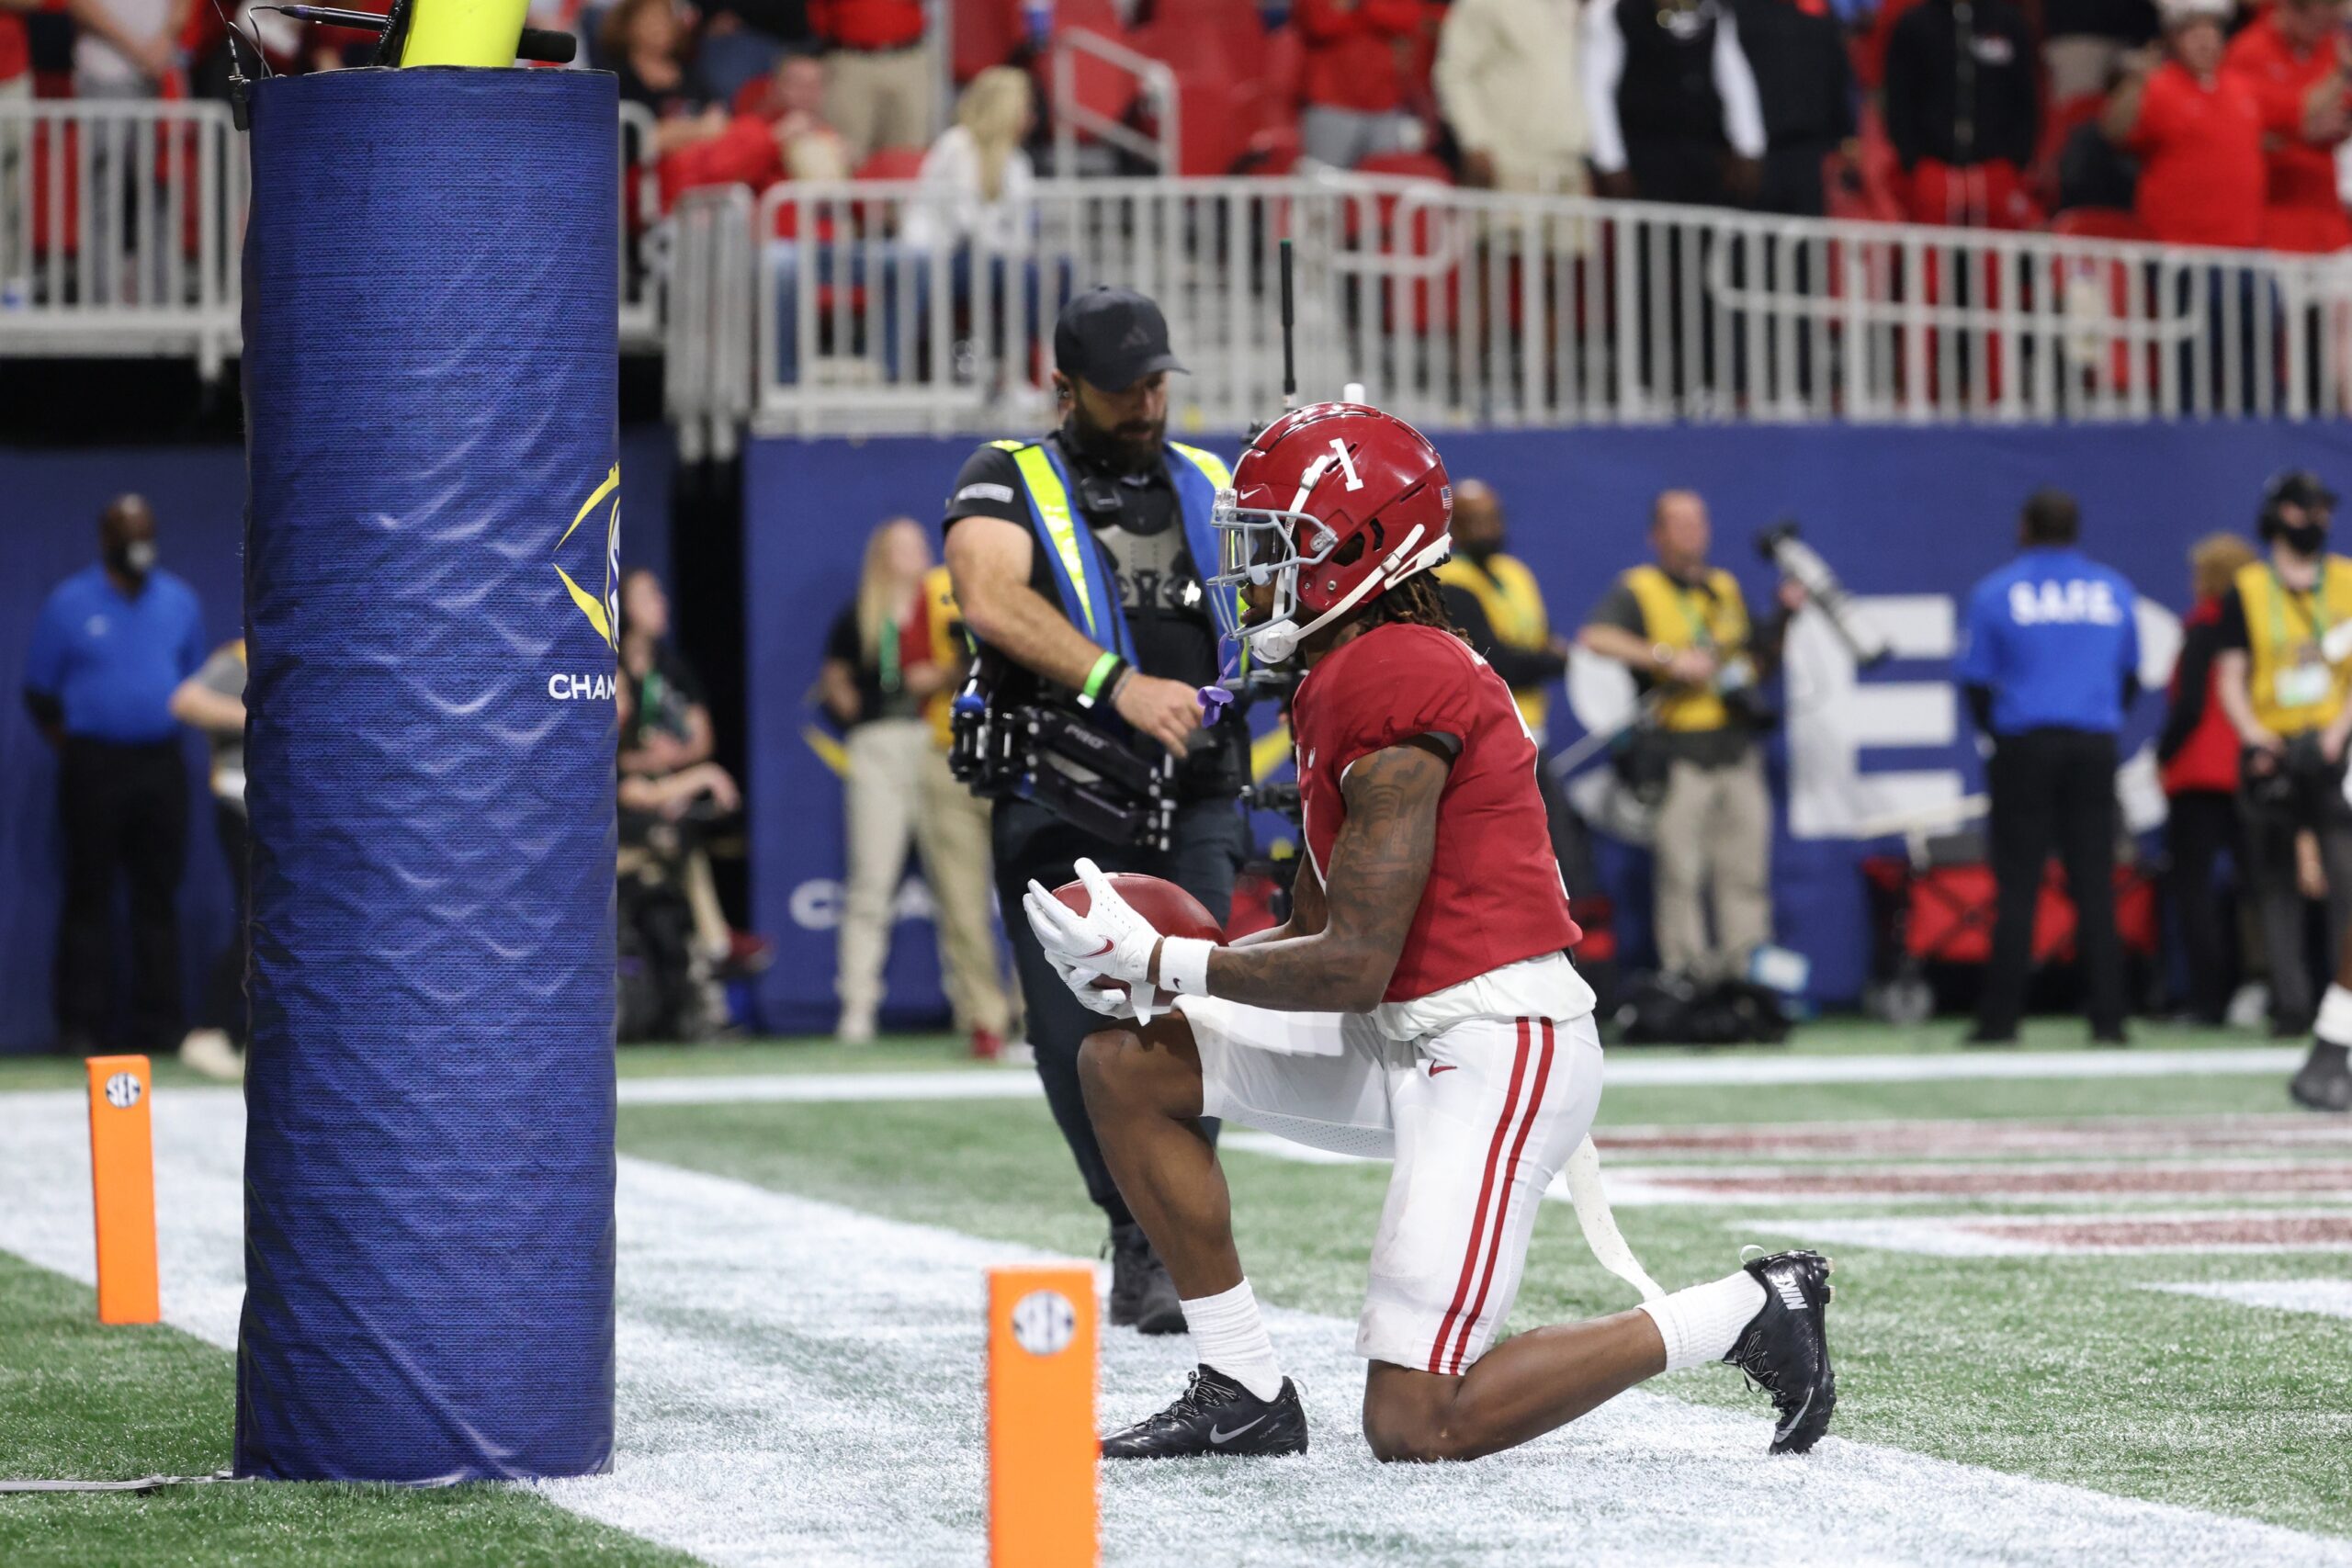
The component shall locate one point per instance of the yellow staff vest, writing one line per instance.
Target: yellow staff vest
(1681, 617)
(2283, 630)
(947, 649)
(1506, 593)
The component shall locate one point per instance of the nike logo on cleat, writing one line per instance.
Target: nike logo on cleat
(1220, 1436)
(1792, 1296)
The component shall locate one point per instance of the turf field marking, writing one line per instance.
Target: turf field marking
(1629, 1071)
(2109, 1180)
(1922, 1138)
(799, 1383)
(2068, 1235)
(2332, 1298)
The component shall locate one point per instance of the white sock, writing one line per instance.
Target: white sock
(1229, 1334)
(2334, 1025)
(1701, 1323)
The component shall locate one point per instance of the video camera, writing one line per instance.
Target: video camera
(1801, 564)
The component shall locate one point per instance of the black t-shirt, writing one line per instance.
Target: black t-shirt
(661, 698)
(690, 94)
(1140, 526)
(1139, 522)
(880, 693)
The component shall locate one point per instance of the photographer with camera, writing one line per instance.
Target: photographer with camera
(1079, 562)
(2287, 701)
(1681, 625)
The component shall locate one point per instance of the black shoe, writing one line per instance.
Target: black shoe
(1215, 1415)
(1785, 1347)
(2115, 1036)
(1979, 1035)
(1142, 1295)
(2324, 1081)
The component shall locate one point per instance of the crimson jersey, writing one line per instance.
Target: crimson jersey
(1494, 895)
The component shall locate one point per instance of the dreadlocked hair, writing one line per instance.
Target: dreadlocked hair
(1416, 602)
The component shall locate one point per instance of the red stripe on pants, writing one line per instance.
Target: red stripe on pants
(1485, 1190)
(1502, 1208)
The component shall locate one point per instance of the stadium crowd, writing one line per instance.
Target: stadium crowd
(2192, 121)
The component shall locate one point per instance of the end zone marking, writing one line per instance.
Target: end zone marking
(2330, 1298)
(1006, 1083)
(2076, 1236)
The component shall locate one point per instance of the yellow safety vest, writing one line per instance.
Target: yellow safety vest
(2283, 632)
(947, 649)
(1681, 617)
(1506, 592)
(1083, 582)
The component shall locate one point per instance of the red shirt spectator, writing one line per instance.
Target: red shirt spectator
(867, 25)
(2198, 133)
(1357, 50)
(2291, 58)
(16, 56)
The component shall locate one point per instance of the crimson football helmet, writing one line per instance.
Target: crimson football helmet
(1333, 504)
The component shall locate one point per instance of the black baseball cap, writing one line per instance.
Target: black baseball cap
(1112, 338)
(2296, 486)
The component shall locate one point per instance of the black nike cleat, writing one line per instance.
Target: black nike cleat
(2324, 1081)
(1142, 1295)
(1216, 1415)
(1784, 1349)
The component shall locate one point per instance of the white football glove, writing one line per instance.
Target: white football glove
(1110, 939)
(1111, 1001)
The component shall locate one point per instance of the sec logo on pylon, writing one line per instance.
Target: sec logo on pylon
(1043, 1322)
(122, 1090)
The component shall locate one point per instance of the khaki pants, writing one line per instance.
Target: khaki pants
(1714, 834)
(881, 100)
(898, 790)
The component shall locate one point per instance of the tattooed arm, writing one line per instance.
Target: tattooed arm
(1380, 861)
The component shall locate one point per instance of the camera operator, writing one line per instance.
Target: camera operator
(1064, 552)
(2287, 704)
(1682, 627)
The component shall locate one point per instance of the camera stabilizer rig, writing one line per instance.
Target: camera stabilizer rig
(1046, 752)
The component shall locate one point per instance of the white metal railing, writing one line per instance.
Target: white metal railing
(1155, 79)
(1457, 307)
(121, 225)
(119, 228)
(707, 369)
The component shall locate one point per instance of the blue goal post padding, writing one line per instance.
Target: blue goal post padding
(430, 362)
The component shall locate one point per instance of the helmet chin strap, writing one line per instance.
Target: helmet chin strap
(1277, 640)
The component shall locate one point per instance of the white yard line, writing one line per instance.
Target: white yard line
(1629, 1069)
(2332, 1298)
(2015, 1235)
(800, 1383)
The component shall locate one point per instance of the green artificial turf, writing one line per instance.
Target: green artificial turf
(83, 1399)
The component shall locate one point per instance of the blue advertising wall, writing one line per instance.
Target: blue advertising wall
(1909, 517)
(49, 509)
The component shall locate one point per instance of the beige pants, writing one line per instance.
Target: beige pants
(880, 100)
(1714, 834)
(898, 790)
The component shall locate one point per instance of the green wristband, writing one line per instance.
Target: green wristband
(1105, 668)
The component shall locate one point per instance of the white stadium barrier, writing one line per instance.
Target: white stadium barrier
(860, 307)
(121, 224)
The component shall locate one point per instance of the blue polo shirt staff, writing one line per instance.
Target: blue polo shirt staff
(2050, 663)
(113, 642)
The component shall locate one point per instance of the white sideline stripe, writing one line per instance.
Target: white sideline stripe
(2332, 1298)
(1958, 1235)
(800, 1383)
(1625, 1070)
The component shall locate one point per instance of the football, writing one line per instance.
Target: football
(1167, 906)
